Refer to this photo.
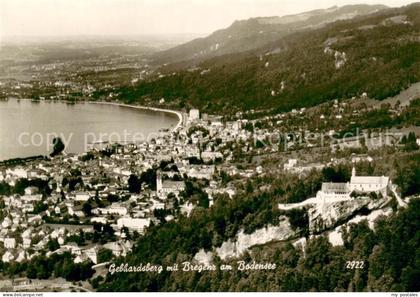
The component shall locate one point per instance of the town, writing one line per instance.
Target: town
(111, 192)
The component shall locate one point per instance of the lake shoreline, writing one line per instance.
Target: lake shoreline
(171, 111)
(174, 126)
(157, 109)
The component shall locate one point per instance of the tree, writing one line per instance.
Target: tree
(40, 207)
(5, 189)
(53, 245)
(299, 219)
(134, 185)
(408, 175)
(96, 281)
(149, 177)
(410, 142)
(203, 200)
(410, 279)
(58, 146)
(249, 187)
(104, 255)
(87, 208)
(336, 175)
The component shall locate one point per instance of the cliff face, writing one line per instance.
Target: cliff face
(235, 248)
(261, 236)
(324, 216)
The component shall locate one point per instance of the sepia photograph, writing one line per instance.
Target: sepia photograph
(209, 146)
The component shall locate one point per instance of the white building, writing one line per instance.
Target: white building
(22, 256)
(73, 248)
(134, 224)
(157, 204)
(80, 259)
(334, 191)
(114, 247)
(7, 257)
(119, 248)
(201, 172)
(358, 184)
(31, 198)
(114, 208)
(18, 172)
(31, 190)
(9, 243)
(27, 233)
(164, 187)
(6, 223)
(211, 156)
(101, 220)
(82, 196)
(26, 243)
(290, 164)
(194, 114)
(92, 254)
(368, 184)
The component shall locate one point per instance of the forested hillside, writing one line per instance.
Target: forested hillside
(377, 54)
(253, 33)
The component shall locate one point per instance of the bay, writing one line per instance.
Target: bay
(27, 127)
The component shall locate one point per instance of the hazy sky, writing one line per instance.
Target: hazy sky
(143, 17)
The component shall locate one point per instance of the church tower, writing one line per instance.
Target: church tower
(353, 171)
(158, 182)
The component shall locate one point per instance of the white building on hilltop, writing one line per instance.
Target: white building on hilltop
(368, 184)
(358, 184)
(334, 191)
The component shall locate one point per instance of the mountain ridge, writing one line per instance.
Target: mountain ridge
(376, 54)
(243, 35)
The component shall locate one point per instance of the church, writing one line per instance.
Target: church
(165, 187)
(368, 184)
(358, 184)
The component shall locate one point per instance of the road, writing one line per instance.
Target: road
(400, 201)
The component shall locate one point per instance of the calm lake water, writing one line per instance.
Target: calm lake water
(27, 128)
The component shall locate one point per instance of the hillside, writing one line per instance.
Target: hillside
(256, 32)
(377, 54)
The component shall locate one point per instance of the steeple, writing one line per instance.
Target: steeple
(158, 181)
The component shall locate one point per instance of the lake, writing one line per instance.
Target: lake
(27, 128)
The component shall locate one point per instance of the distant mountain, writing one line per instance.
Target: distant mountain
(256, 32)
(378, 54)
